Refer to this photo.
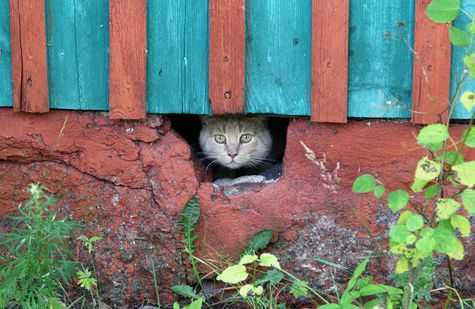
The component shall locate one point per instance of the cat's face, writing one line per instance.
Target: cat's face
(235, 142)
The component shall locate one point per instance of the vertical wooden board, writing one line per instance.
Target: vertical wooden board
(6, 98)
(380, 61)
(78, 39)
(329, 60)
(177, 62)
(431, 75)
(278, 58)
(227, 48)
(127, 70)
(28, 48)
(458, 53)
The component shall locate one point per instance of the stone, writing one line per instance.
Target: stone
(127, 181)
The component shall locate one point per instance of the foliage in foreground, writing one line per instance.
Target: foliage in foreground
(433, 216)
(39, 257)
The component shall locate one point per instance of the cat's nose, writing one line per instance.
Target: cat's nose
(232, 154)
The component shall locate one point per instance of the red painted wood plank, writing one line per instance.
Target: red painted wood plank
(227, 48)
(329, 60)
(128, 59)
(431, 68)
(29, 64)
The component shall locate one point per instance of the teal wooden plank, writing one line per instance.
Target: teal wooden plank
(6, 98)
(278, 79)
(458, 53)
(380, 62)
(78, 59)
(177, 64)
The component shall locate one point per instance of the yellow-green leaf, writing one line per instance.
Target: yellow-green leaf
(414, 223)
(468, 200)
(402, 266)
(468, 99)
(469, 137)
(233, 274)
(462, 224)
(446, 207)
(248, 259)
(458, 37)
(267, 259)
(432, 134)
(427, 169)
(465, 173)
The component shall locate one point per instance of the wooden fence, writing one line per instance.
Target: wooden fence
(324, 58)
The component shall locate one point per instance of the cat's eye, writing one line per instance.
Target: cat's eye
(246, 138)
(220, 139)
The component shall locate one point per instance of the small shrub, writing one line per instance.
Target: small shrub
(38, 259)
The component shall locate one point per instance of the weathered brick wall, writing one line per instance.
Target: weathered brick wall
(127, 181)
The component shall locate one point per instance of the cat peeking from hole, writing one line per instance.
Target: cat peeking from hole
(233, 146)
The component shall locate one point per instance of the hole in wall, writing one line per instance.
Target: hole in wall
(189, 127)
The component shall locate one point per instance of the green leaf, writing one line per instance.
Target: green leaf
(399, 234)
(375, 289)
(197, 304)
(184, 290)
(425, 244)
(299, 288)
(248, 259)
(432, 191)
(446, 207)
(447, 242)
(471, 27)
(360, 268)
(176, 305)
(419, 185)
(468, 200)
(458, 37)
(449, 157)
(330, 306)
(403, 217)
(468, 98)
(427, 169)
(397, 200)
(272, 275)
(443, 11)
(364, 183)
(427, 232)
(233, 274)
(402, 266)
(432, 134)
(462, 224)
(378, 191)
(470, 141)
(259, 241)
(250, 290)
(465, 173)
(414, 223)
(268, 260)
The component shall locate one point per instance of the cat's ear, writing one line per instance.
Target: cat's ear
(259, 119)
(204, 119)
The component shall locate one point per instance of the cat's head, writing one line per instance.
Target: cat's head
(235, 142)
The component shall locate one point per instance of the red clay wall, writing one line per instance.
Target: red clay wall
(127, 181)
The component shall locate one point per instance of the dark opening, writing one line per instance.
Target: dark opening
(189, 127)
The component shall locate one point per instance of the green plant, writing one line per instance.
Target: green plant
(189, 217)
(39, 256)
(260, 280)
(433, 217)
(365, 293)
(85, 277)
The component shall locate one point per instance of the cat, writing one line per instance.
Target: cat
(235, 143)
